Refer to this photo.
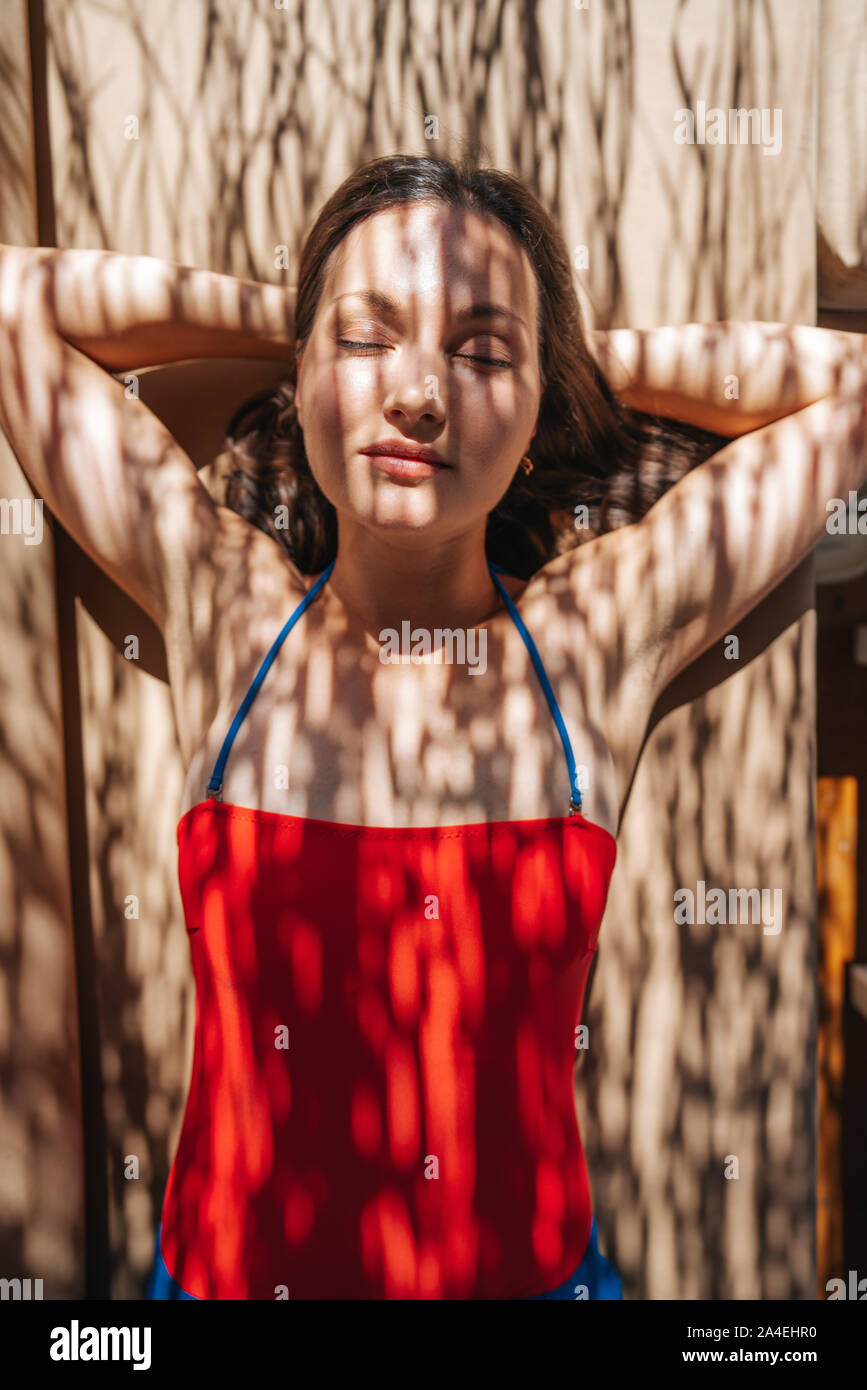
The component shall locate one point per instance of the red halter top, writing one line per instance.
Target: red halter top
(381, 1102)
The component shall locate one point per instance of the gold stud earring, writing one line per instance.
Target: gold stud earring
(527, 464)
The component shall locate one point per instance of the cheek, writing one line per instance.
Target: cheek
(338, 397)
(499, 402)
(492, 429)
(320, 410)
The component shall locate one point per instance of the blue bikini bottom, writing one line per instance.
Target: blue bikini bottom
(594, 1278)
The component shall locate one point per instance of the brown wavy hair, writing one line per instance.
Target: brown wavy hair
(589, 448)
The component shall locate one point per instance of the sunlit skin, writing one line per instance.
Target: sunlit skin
(416, 549)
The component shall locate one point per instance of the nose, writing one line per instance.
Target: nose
(415, 397)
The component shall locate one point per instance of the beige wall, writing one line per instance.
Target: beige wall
(42, 1196)
(702, 1040)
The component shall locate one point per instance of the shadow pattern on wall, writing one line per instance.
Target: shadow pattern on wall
(245, 117)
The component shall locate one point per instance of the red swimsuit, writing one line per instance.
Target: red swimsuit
(381, 1102)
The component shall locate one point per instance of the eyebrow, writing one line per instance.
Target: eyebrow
(384, 304)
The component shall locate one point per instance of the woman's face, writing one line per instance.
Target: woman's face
(408, 370)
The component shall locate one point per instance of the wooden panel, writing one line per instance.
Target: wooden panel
(837, 842)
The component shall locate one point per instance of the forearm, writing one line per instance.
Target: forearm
(729, 377)
(139, 311)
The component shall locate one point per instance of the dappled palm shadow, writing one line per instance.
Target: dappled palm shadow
(227, 166)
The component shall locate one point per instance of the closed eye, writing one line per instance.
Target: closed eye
(491, 361)
(361, 347)
(364, 348)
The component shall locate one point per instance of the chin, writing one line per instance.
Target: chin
(395, 506)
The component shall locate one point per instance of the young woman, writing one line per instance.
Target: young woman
(393, 871)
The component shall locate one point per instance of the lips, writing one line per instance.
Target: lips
(400, 449)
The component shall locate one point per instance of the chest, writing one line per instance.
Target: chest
(347, 729)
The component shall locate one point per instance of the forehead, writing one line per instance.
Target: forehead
(427, 254)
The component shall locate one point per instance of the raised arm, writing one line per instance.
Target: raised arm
(729, 377)
(111, 472)
(731, 530)
(130, 312)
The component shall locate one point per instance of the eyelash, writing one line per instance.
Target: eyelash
(380, 347)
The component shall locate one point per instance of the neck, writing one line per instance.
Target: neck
(382, 582)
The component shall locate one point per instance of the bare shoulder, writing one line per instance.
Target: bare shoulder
(232, 598)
